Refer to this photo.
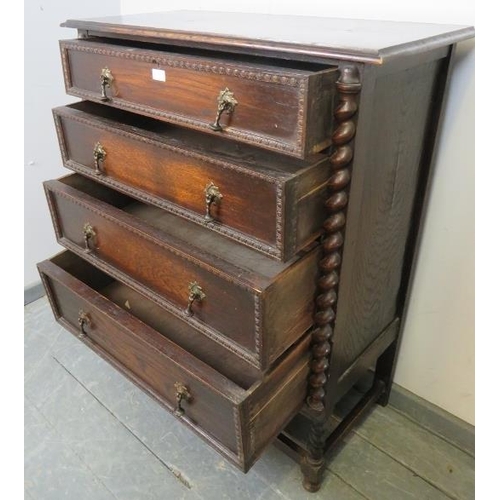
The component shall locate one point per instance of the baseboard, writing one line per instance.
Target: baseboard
(433, 418)
(33, 292)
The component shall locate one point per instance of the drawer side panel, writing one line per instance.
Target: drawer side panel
(386, 170)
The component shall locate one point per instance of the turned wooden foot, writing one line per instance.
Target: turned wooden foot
(312, 472)
(313, 461)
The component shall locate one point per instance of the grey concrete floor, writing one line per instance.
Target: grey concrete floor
(90, 434)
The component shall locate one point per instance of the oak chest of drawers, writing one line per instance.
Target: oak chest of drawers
(244, 212)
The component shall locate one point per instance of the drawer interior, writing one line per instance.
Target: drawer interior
(173, 328)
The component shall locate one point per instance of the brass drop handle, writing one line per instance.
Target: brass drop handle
(88, 234)
(106, 80)
(181, 394)
(226, 102)
(83, 319)
(99, 157)
(212, 196)
(195, 293)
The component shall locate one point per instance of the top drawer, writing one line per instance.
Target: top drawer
(287, 107)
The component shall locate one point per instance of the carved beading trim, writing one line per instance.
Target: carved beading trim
(274, 252)
(348, 88)
(257, 324)
(192, 64)
(301, 132)
(68, 81)
(53, 215)
(190, 153)
(238, 434)
(279, 218)
(50, 295)
(60, 137)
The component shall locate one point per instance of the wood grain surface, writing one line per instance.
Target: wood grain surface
(240, 422)
(267, 203)
(385, 176)
(322, 164)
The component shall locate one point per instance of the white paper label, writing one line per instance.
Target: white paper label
(158, 74)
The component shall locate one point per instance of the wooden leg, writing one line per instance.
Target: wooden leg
(384, 371)
(313, 461)
(323, 437)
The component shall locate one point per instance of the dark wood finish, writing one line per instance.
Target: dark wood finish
(348, 88)
(275, 108)
(313, 463)
(375, 42)
(325, 245)
(395, 136)
(238, 420)
(386, 364)
(269, 203)
(254, 306)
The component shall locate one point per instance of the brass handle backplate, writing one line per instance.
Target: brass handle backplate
(106, 80)
(195, 293)
(88, 234)
(212, 196)
(99, 157)
(83, 319)
(226, 102)
(181, 394)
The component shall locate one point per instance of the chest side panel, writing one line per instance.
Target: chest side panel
(384, 183)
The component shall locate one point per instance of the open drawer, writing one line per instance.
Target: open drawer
(269, 202)
(255, 306)
(285, 107)
(233, 407)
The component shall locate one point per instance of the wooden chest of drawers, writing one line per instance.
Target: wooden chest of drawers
(244, 213)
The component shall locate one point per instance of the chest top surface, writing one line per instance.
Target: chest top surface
(370, 41)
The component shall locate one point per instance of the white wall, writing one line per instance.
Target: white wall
(44, 90)
(437, 355)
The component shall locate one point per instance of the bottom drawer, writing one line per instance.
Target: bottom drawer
(233, 407)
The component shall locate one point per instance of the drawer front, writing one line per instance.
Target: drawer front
(246, 201)
(270, 108)
(238, 422)
(121, 247)
(252, 305)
